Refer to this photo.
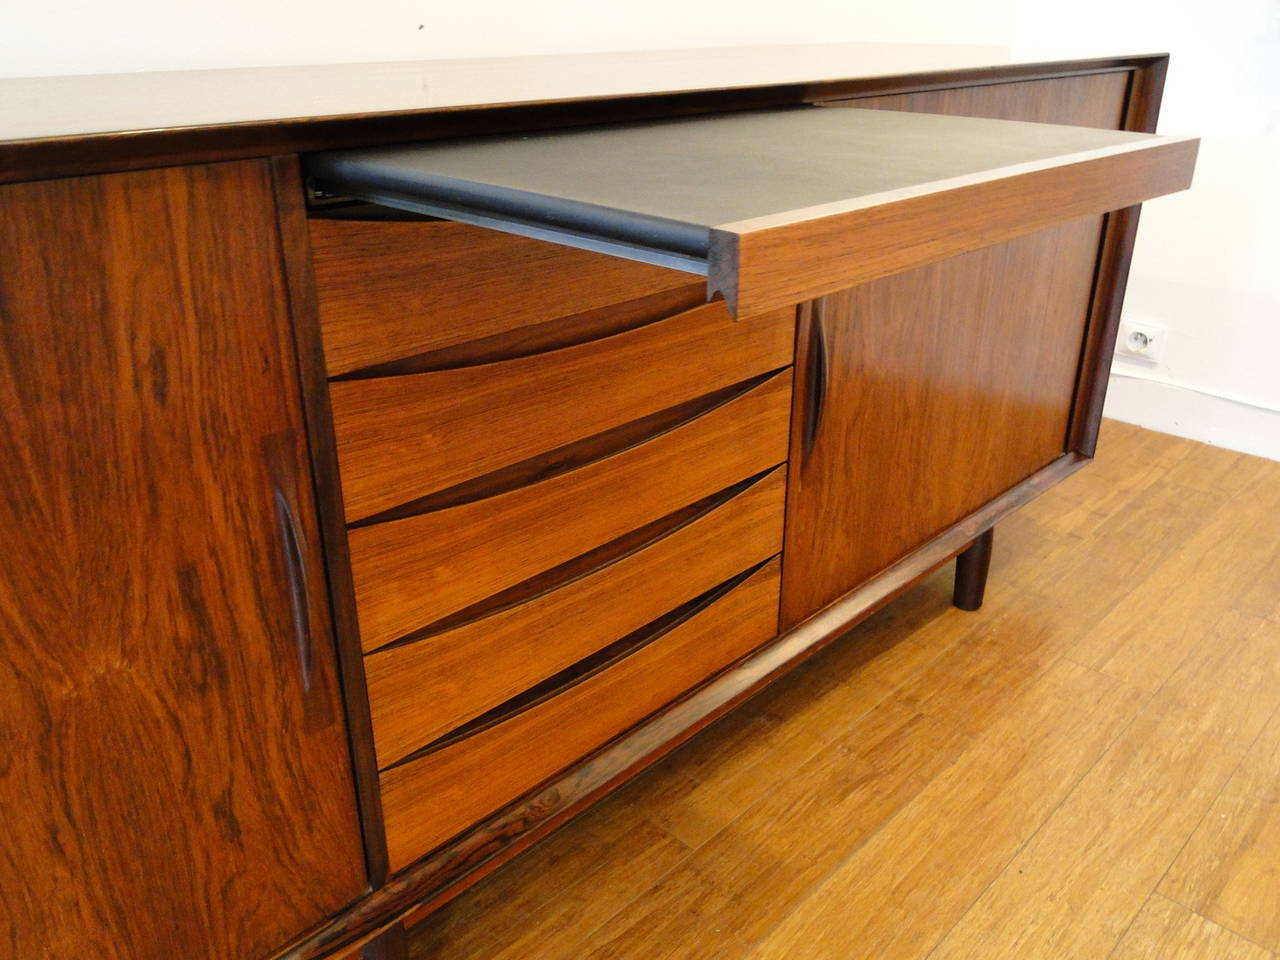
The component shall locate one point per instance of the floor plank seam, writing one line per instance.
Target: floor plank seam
(1155, 887)
(1067, 794)
(818, 884)
(1166, 674)
(1129, 926)
(761, 938)
(746, 810)
(1244, 755)
(889, 820)
(693, 850)
(1217, 923)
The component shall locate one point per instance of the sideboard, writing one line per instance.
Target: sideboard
(399, 457)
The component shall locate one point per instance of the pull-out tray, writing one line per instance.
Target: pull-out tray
(779, 206)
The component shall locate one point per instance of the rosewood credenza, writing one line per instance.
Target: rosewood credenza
(399, 457)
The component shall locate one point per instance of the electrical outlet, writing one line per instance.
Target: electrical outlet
(1141, 340)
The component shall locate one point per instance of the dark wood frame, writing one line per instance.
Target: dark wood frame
(435, 879)
(295, 251)
(1115, 254)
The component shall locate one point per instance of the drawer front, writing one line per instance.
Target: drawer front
(412, 573)
(391, 290)
(428, 799)
(420, 691)
(778, 206)
(405, 437)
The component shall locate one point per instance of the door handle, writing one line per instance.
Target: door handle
(299, 589)
(280, 456)
(816, 379)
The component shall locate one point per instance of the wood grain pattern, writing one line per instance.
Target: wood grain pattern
(771, 261)
(411, 572)
(799, 778)
(1092, 865)
(365, 917)
(741, 880)
(1227, 870)
(995, 794)
(1164, 929)
(945, 386)
(1259, 772)
(435, 879)
(1090, 100)
(389, 290)
(571, 456)
(628, 862)
(175, 775)
(1117, 100)
(461, 424)
(540, 337)
(1144, 641)
(420, 691)
(841, 604)
(296, 252)
(429, 800)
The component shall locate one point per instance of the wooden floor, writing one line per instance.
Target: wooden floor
(1087, 767)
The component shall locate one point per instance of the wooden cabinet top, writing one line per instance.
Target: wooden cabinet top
(54, 126)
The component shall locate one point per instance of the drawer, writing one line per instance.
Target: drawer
(422, 690)
(429, 798)
(774, 207)
(412, 573)
(401, 438)
(391, 290)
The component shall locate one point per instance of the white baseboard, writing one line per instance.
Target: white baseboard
(1188, 412)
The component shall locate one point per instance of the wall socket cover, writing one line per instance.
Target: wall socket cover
(1141, 340)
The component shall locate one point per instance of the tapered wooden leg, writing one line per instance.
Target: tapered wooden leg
(391, 945)
(971, 572)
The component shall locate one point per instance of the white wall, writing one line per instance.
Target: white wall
(1207, 263)
(92, 36)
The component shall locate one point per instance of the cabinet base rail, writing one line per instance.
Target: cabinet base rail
(442, 875)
